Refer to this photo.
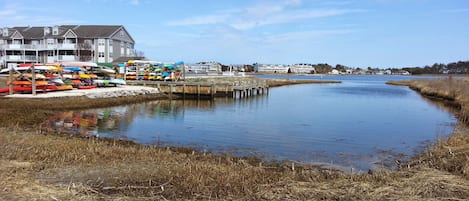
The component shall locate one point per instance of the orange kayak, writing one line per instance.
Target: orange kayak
(25, 82)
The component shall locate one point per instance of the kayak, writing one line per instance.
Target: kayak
(29, 88)
(26, 82)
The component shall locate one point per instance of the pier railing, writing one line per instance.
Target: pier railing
(207, 90)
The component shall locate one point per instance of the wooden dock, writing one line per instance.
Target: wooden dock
(205, 90)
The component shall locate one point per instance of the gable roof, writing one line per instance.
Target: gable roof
(82, 31)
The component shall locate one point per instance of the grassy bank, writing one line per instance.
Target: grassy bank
(450, 154)
(36, 165)
(453, 90)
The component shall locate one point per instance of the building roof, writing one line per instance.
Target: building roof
(82, 31)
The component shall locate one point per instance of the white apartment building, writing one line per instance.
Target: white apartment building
(89, 43)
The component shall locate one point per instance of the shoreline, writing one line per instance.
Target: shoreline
(42, 165)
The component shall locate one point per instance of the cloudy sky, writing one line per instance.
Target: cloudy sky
(356, 33)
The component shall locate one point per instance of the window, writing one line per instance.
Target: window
(101, 54)
(55, 30)
(110, 54)
(1, 42)
(110, 43)
(50, 53)
(50, 41)
(100, 42)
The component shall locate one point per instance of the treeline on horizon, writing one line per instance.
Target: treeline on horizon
(460, 67)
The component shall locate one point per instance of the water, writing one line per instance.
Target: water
(361, 123)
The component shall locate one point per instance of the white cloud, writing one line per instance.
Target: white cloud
(262, 15)
(291, 17)
(305, 35)
(30, 16)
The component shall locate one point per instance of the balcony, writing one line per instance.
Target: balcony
(67, 58)
(65, 46)
(21, 58)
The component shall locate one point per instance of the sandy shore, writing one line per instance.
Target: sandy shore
(105, 92)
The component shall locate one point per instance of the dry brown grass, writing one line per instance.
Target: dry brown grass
(449, 154)
(38, 165)
(35, 165)
(451, 89)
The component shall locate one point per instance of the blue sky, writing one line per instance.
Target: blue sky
(360, 33)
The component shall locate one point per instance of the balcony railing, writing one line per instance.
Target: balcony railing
(65, 46)
(67, 58)
(18, 58)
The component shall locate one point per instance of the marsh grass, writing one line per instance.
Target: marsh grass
(41, 165)
(449, 154)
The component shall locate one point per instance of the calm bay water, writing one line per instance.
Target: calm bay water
(361, 123)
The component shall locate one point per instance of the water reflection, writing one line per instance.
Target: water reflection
(361, 123)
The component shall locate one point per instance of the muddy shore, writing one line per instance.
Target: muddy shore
(37, 165)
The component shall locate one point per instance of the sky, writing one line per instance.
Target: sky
(354, 33)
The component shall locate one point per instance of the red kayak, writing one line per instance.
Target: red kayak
(29, 88)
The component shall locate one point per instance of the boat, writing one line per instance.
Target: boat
(86, 87)
(30, 88)
(27, 82)
(28, 75)
(118, 81)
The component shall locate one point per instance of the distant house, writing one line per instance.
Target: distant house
(271, 68)
(49, 44)
(302, 68)
(204, 67)
(334, 72)
(404, 72)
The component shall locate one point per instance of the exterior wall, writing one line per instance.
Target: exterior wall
(271, 68)
(14, 48)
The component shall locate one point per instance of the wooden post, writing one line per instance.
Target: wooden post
(10, 82)
(184, 91)
(198, 91)
(170, 91)
(33, 81)
(212, 91)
